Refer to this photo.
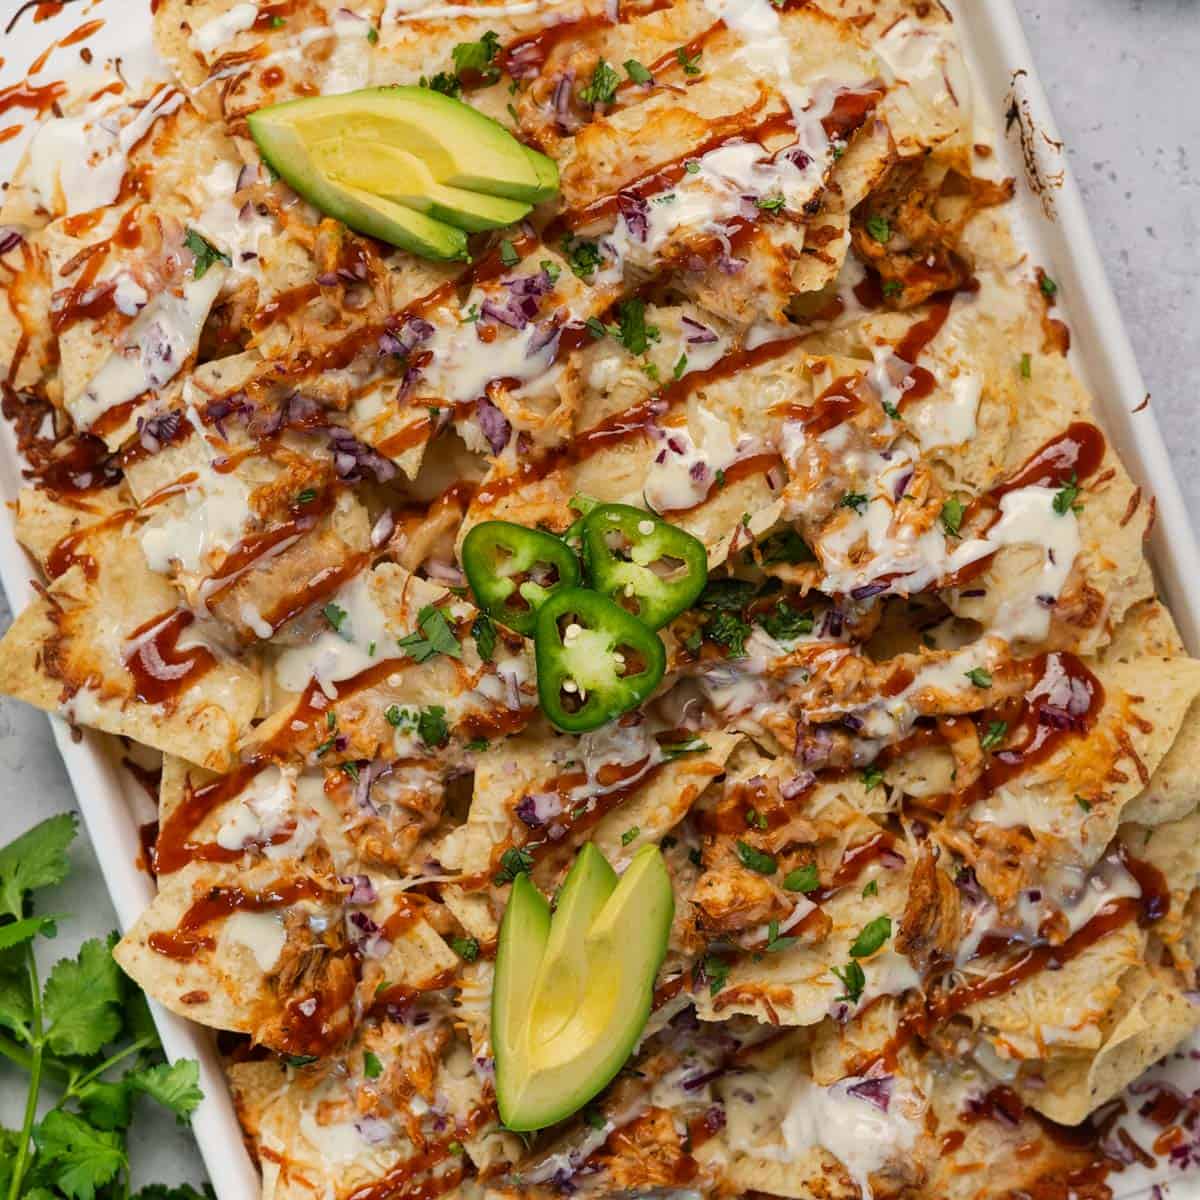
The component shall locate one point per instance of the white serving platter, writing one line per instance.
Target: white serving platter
(1053, 228)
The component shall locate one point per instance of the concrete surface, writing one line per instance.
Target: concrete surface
(1121, 77)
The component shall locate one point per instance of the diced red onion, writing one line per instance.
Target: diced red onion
(901, 486)
(493, 424)
(502, 314)
(246, 176)
(797, 785)
(154, 432)
(876, 1091)
(328, 279)
(694, 1083)
(869, 590)
(10, 239)
(636, 213)
(564, 118)
(351, 458)
(362, 890)
(444, 572)
(967, 883)
(373, 1130)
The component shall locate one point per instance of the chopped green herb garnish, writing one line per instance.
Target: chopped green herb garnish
(583, 255)
(680, 366)
(716, 970)
(802, 879)
(852, 978)
(689, 62)
(771, 203)
(953, 511)
(676, 750)
(871, 937)
(1086, 805)
(997, 731)
(372, 1067)
(730, 631)
(478, 745)
(1048, 286)
(434, 636)
(508, 253)
(892, 287)
(467, 948)
(635, 335)
(754, 859)
(1026, 366)
(603, 88)
(479, 56)
(630, 835)
(307, 496)
(872, 889)
(431, 726)
(775, 943)
(373, 35)
(335, 615)
(872, 777)
(855, 500)
(891, 410)
(484, 633)
(785, 624)
(880, 228)
(207, 255)
(979, 677)
(1065, 500)
(637, 72)
(513, 862)
(446, 82)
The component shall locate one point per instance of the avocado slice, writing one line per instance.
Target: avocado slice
(462, 147)
(547, 174)
(569, 1006)
(398, 175)
(287, 151)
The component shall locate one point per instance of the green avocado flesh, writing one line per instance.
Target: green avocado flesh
(404, 148)
(572, 992)
(404, 178)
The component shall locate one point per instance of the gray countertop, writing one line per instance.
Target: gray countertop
(1121, 77)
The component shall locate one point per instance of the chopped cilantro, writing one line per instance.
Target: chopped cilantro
(872, 889)
(602, 89)
(979, 677)
(730, 631)
(583, 255)
(335, 615)
(1065, 500)
(432, 727)
(594, 1118)
(637, 72)
(680, 366)
(997, 731)
(373, 35)
(372, 1067)
(484, 633)
(635, 334)
(880, 229)
(754, 859)
(786, 546)
(871, 937)
(674, 750)
(445, 82)
(855, 500)
(307, 496)
(785, 624)
(689, 62)
(513, 862)
(508, 253)
(552, 269)
(872, 777)
(802, 879)
(479, 56)
(630, 835)
(892, 287)
(771, 203)
(853, 979)
(1086, 805)
(775, 943)
(434, 636)
(1048, 286)
(207, 255)
(1026, 366)
(891, 410)
(467, 948)
(953, 511)
(716, 970)
(478, 745)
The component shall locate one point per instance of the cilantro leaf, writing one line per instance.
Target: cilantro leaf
(786, 546)
(446, 82)
(729, 631)
(952, 514)
(726, 595)
(372, 1067)
(83, 1158)
(853, 979)
(37, 859)
(1065, 500)
(513, 862)
(434, 636)
(478, 56)
(630, 835)
(335, 615)
(583, 255)
(484, 633)
(82, 1001)
(467, 948)
(997, 731)
(785, 624)
(689, 62)
(637, 72)
(602, 89)
(431, 726)
(15, 933)
(716, 970)
(674, 750)
(871, 937)
(880, 228)
(979, 677)
(635, 334)
(754, 859)
(176, 1086)
(802, 879)
(872, 777)
(107, 1105)
(207, 255)
(775, 943)
(855, 500)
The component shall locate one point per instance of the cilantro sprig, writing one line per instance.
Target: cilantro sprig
(86, 1032)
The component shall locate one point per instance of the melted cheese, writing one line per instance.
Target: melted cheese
(261, 933)
(157, 347)
(948, 420)
(223, 29)
(77, 164)
(682, 472)
(361, 640)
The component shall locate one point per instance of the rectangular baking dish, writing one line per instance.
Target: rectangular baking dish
(1053, 227)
